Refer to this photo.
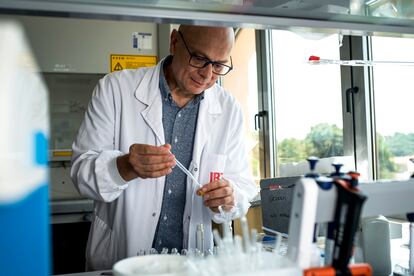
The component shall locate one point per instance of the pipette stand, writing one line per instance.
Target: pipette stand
(313, 205)
(340, 204)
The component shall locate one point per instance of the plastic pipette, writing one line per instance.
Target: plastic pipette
(200, 238)
(217, 238)
(187, 172)
(245, 232)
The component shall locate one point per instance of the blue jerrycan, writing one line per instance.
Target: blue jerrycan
(24, 128)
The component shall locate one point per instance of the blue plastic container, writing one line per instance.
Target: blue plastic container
(24, 128)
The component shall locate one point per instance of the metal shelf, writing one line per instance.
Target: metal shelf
(71, 206)
(259, 14)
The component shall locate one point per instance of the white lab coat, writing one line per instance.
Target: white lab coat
(126, 108)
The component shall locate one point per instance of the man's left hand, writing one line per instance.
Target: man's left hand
(217, 193)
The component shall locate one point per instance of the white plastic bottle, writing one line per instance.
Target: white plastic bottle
(24, 128)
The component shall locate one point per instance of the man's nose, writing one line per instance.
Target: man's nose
(207, 71)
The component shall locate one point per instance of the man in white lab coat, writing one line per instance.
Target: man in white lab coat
(137, 122)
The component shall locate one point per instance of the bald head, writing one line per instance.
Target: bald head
(199, 55)
(222, 38)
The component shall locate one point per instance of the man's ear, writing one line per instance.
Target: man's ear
(173, 41)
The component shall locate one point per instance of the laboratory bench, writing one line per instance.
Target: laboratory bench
(71, 222)
(399, 252)
(70, 229)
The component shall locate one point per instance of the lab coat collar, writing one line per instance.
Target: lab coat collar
(211, 101)
(148, 93)
(210, 110)
(148, 88)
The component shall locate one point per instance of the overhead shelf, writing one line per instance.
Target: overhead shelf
(374, 17)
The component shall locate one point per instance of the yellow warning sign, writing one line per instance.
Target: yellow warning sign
(61, 153)
(120, 62)
(118, 67)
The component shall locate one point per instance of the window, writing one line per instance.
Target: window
(393, 98)
(307, 102)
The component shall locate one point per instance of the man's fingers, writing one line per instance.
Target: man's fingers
(154, 167)
(215, 185)
(151, 161)
(167, 146)
(228, 200)
(150, 149)
(156, 173)
(155, 159)
(219, 193)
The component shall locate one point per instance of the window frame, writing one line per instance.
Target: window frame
(358, 123)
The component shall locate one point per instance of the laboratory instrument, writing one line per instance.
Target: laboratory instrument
(312, 160)
(377, 193)
(164, 264)
(24, 128)
(309, 205)
(276, 201)
(374, 244)
(410, 217)
(226, 214)
(315, 60)
(330, 227)
(189, 174)
(200, 238)
(230, 257)
(339, 200)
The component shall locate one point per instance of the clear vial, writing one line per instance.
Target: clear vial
(184, 252)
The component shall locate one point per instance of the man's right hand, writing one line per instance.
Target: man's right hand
(146, 161)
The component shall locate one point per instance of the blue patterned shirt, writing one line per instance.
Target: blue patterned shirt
(179, 131)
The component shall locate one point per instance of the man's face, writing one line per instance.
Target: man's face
(212, 44)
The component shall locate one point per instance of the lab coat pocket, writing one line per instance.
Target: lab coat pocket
(99, 255)
(212, 167)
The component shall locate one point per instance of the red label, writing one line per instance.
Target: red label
(215, 176)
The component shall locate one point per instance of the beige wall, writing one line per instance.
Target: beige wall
(236, 82)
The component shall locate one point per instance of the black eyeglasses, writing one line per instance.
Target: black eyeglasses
(201, 62)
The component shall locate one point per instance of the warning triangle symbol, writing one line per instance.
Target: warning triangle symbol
(118, 67)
